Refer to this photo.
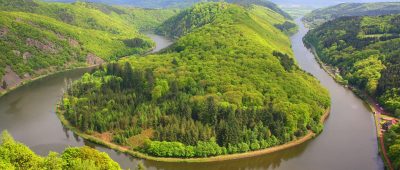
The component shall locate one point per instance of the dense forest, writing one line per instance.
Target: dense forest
(196, 17)
(185, 3)
(365, 52)
(320, 16)
(392, 143)
(15, 155)
(39, 37)
(228, 85)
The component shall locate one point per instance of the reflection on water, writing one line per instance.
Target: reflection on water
(269, 161)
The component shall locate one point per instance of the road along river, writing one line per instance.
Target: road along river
(347, 142)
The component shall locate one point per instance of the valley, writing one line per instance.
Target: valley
(17, 112)
(216, 86)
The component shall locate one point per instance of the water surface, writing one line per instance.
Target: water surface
(161, 42)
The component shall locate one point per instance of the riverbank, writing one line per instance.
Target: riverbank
(29, 81)
(364, 97)
(310, 135)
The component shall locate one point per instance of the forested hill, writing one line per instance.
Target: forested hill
(184, 3)
(366, 52)
(264, 3)
(113, 19)
(319, 16)
(227, 86)
(37, 37)
(392, 144)
(198, 16)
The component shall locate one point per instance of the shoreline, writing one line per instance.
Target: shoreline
(310, 135)
(29, 81)
(357, 92)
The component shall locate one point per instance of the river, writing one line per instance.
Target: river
(347, 142)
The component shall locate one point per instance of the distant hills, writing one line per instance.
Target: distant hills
(319, 16)
(185, 3)
(320, 3)
(182, 3)
(142, 3)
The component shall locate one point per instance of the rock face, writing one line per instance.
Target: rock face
(49, 47)
(10, 79)
(3, 32)
(16, 52)
(92, 59)
(26, 55)
(72, 42)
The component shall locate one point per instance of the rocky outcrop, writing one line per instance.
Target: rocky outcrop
(92, 59)
(27, 76)
(10, 79)
(72, 42)
(26, 56)
(16, 52)
(60, 36)
(48, 47)
(3, 32)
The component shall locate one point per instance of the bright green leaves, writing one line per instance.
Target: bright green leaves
(217, 90)
(15, 155)
(160, 89)
(392, 144)
(369, 71)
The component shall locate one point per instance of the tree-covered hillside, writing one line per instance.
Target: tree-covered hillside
(15, 155)
(228, 85)
(37, 38)
(320, 16)
(184, 3)
(366, 52)
(392, 144)
(264, 3)
(198, 16)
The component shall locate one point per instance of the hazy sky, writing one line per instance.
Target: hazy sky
(320, 3)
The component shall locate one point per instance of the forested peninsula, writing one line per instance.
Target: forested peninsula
(228, 85)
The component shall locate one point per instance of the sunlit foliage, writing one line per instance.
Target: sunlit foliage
(15, 155)
(228, 85)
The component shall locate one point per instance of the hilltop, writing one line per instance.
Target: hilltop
(184, 3)
(193, 18)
